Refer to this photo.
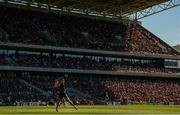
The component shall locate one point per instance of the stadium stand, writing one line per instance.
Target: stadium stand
(23, 87)
(69, 61)
(30, 27)
(131, 90)
(11, 89)
(124, 89)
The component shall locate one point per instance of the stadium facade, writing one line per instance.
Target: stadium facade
(103, 61)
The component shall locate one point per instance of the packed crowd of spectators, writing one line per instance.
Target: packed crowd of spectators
(41, 80)
(82, 62)
(123, 89)
(144, 91)
(130, 90)
(12, 89)
(141, 40)
(30, 27)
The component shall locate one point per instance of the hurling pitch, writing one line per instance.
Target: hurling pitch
(93, 110)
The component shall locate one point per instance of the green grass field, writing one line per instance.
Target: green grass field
(93, 110)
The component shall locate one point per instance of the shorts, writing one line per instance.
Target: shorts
(61, 95)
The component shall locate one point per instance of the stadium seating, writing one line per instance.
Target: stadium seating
(30, 27)
(13, 89)
(126, 90)
(67, 61)
(39, 28)
(140, 40)
(130, 90)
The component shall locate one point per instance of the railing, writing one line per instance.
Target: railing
(96, 72)
(40, 48)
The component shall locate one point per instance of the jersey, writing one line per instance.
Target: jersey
(60, 90)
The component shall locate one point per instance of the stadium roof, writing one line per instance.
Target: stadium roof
(134, 9)
(110, 6)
